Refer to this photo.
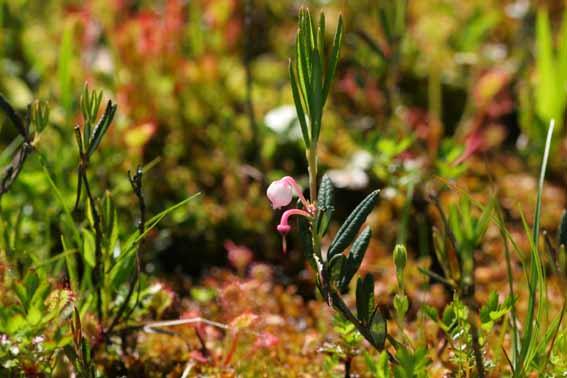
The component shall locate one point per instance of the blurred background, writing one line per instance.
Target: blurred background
(458, 89)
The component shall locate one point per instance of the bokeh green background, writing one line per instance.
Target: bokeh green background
(203, 99)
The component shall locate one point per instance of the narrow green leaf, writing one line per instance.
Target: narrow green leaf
(326, 194)
(299, 108)
(31, 283)
(365, 298)
(303, 70)
(22, 294)
(378, 329)
(308, 28)
(333, 60)
(71, 263)
(316, 96)
(101, 127)
(482, 224)
(325, 205)
(321, 35)
(351, 225)
(536, 284)
(336, 266)
(355, 257)
(122, 271)
(110, 221)
(39, 295)
(89, 248)
(304, 57)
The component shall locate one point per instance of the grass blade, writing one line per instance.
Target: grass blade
(536, 272)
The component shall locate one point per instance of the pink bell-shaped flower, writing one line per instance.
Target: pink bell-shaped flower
(280, 193)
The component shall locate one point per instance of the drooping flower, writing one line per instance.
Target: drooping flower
(280, 194)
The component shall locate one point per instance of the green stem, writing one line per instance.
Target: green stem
(312, 163)
(312, 167)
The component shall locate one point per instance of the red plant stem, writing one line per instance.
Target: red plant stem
(232, 349)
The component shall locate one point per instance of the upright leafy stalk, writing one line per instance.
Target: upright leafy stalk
(311, 76)
(87, 141)
(311, 81)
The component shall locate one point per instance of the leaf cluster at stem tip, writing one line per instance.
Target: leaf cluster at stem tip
(311, 74)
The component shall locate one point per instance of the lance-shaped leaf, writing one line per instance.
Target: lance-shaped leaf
(303, 61)
(316, 96)
(351, 225)
(562, 232)
(101, 127)
(365, 298)
(307, 26)
(321, 35)
(303, 67)
(90, 104)
(88, 250)
(326, 194)
(378, 329)
(336, 266)
(299, 107)
(40, 115)
(333, 60)
(325, 205)
(355, 257)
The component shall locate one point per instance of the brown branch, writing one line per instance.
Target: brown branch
(12, 171)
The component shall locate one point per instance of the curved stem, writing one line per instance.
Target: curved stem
(290, 212)
(291, 181)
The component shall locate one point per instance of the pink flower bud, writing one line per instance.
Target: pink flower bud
(284, 228)
(280, 193)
